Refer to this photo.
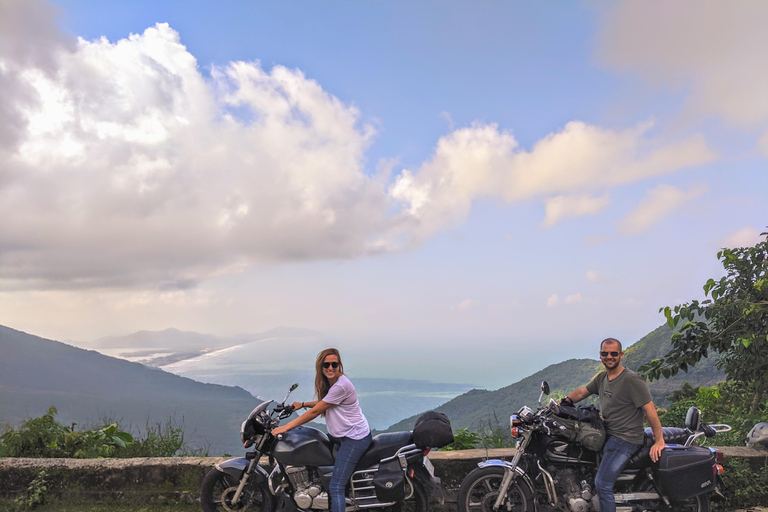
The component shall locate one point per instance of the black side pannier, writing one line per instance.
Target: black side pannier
(684, 472)
(583, 425)
(432, 430)
(389, 481)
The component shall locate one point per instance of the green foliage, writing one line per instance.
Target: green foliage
(675, 415)
(45, 437)
(37, 437)
(687, 391)
(494, 435)
(161, 440)
(743, 486)
(34, 496)
(727, 402)
(733, 323)
(463, 439)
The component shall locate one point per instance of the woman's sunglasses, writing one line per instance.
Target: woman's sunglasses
(606, 354)
(333, 364)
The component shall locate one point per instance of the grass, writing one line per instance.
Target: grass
(106, 506)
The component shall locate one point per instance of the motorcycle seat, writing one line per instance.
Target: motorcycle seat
(383, 446)
(642, 457)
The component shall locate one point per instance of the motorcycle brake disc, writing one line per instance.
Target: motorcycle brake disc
(226, 500)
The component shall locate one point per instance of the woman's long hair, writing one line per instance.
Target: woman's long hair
(321, 382)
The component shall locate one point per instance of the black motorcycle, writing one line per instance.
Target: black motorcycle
(552, 471)
(393, 474)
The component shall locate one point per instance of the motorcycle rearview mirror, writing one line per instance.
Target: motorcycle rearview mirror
(544, 390)
(692, 419)
(294, 386)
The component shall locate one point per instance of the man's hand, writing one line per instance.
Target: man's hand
(656, 449)
(279, 430)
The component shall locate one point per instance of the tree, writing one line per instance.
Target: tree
(732, 323)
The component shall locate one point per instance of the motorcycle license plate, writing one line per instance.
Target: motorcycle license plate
(429, 466)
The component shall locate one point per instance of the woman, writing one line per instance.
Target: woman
(347, 426)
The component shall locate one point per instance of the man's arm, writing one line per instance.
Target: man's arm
(658, 435)
(579, 394)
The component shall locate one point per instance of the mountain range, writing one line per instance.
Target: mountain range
(87, 387)
(479, 409)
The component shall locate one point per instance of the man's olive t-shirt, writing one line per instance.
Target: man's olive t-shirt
(621, 402)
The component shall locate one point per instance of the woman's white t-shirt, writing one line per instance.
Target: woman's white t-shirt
(345, 418)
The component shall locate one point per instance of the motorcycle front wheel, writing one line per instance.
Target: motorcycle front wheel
(219, 488)
(480, 488)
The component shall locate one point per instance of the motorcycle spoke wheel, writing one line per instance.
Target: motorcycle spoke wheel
(480, 490)
(218, 489)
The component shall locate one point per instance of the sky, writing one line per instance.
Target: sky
(515, 180)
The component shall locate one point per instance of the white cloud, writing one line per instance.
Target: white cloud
(131, 170)
(763, 143)
(122, 165)
(560, 207)
(715, 50)
(744, 237)
(483, 161)
(553, 301)
(595, 239)
(657, 204)
(595, 276)
(466, 304)
(573, 299)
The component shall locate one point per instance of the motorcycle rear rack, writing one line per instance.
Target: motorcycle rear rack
(363, 491)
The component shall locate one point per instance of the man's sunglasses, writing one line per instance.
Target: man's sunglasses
(606, 354)
(332, 364)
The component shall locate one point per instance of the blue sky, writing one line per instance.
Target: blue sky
(522, 179)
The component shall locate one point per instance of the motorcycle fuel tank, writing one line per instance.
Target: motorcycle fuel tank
(304, 446)
(563, 452)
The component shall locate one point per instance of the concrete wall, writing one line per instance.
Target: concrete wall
(178, 479)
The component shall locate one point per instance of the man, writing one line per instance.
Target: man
(624, 396)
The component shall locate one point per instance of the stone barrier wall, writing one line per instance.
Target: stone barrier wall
(178, 479)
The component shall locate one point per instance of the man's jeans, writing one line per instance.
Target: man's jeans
(616, 454)
(349, 454)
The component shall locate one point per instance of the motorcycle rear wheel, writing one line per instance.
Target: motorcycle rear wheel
(214, 494)
(480, 488)
(419, 502)
(699, 503)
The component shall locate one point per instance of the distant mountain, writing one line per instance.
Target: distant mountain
(478, 408)
(85, 387)
(174, 339)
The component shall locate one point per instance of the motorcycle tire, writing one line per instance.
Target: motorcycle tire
(480, 488)
(698, 504)
(218, 487)
(419, 502)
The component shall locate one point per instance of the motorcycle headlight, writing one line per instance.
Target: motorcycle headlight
(525, 414)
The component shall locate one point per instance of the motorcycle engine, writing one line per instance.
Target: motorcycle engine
(307, 490)
(578, 495)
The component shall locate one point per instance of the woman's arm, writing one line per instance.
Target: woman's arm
(317, 409)
(304, 405)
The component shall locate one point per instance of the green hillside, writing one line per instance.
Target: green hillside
(86, 387)
(478, 408)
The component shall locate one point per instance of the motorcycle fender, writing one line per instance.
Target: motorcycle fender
(431, 483)
(508, 466)
(236, 467)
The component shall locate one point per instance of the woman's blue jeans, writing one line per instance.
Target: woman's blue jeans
(616, 454)
(349, 454)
